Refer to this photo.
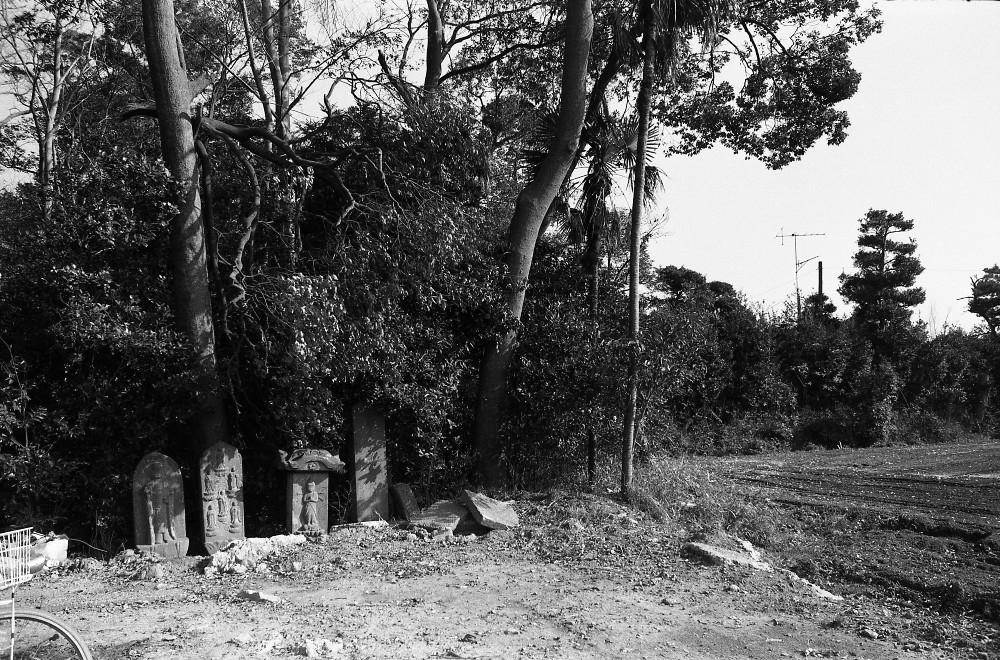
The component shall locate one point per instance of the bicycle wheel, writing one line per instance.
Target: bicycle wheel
(40, 636)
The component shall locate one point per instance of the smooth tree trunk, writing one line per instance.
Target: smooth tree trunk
(529, 214)
(272, 40)
(638, 192)
(591, 262)
(188, 263)
(284, 96)
(435, 47)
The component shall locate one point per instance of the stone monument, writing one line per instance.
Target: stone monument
(221, 477)
(309, 489)
(158, 506)
(371, 485)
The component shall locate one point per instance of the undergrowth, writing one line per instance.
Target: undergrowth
(703, 503)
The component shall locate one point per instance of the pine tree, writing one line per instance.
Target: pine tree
(985, 301)
(882, 289)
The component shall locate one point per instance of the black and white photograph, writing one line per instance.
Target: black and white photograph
(499, 329)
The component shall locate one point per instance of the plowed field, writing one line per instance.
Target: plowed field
(945, 483)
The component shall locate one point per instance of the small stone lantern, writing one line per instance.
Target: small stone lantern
(309, 489)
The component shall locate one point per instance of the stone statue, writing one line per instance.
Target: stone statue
(234, 517)
(210, 518)
(309, 501)
(158, 506)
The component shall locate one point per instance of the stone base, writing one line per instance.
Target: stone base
(310, 533)
(171, 550)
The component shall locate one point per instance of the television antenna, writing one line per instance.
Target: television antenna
(798, 264)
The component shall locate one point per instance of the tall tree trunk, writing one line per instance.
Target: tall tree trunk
(591, 262)
(529, 214)
(284, 98)
(192, 299)
(435, 47)
(638, 192)
(47, 147)
(269, 17)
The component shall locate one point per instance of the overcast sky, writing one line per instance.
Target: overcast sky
(924, 141)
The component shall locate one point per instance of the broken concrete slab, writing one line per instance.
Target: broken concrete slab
(443, 515)
(448, 517)
(817, 591)
(403, 502)
(489, 512)
(722, 556)
(752, 559)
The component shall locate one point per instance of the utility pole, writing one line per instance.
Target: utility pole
(798, 266)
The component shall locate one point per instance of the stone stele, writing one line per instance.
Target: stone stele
(158, 506)
(371, 485)
(404, 502)
(221, 479)
(308, 489)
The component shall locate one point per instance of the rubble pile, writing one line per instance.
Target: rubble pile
(250, 555)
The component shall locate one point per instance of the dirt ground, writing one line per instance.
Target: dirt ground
(587, 577)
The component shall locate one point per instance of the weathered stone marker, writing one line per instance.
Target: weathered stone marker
(371, 487)
(403, 501)
(158, 506)
(309, 489)
(221, 478)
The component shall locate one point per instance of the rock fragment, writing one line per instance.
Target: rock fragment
(447, 517)
(243, 555)
(260, 596)
(489, 512)
(722, 556)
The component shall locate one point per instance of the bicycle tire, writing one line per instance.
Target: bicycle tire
(41, 636)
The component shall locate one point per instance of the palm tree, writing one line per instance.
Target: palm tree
(609, 152)
(667, 26)
(612, 149)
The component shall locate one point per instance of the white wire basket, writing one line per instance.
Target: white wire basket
(15, 551)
